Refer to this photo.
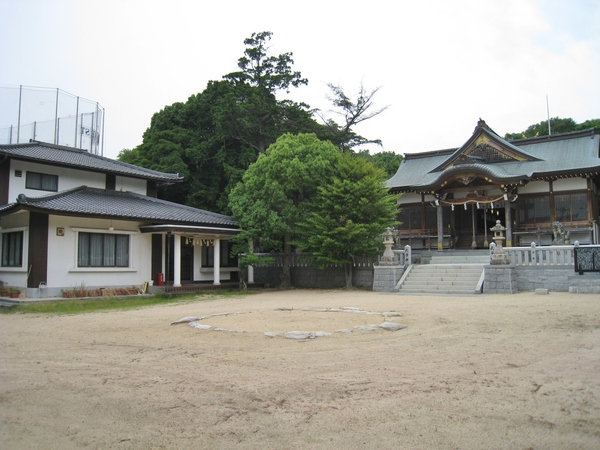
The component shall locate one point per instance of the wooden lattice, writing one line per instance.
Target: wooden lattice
(487, 153)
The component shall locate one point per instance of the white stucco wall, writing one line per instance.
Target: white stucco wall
(131, 185)
(67, 179)
(535, 187)
(409, 197)
(62, 255)
(569, 184)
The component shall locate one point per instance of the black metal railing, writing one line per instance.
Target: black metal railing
(587, 259)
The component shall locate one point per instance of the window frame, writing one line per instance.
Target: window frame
(108, 251)
(570, 194)
(535, 221)
(8, 233)
(43, 176)
(129, 268)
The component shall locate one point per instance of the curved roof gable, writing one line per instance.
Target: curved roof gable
(488, 157)
(485, 147)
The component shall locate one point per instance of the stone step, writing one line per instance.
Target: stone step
(460, 260)
(450, 280)
(438, 291)
(443, 278)
(437, 286)
(450, 268)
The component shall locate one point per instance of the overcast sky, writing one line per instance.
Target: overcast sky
(441, 64)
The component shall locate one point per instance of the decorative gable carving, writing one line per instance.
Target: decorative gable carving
(487, 153)
(484, 148)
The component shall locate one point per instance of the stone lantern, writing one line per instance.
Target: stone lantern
(388, 258)
(499, 255)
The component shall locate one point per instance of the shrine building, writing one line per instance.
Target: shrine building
(451, 198)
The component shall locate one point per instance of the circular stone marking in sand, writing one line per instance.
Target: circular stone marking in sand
(289, 323)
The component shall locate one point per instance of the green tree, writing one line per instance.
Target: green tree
(348, 215)
(256, 116)
(386, 161)
(557, 126)
(592, 123)
(352, 112)
(271, 199)
(213, 137)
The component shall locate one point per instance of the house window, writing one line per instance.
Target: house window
(533, 210)
(103, 250)
(571, 207)
(411, 217)
(208, 255)
(12, 249)
(41, 181)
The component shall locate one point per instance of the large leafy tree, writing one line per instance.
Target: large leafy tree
(557, 126)
(386, 161)
(213, 137)
(348, 215)
(271, 199)
(257, 115)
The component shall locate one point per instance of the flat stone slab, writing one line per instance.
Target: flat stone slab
(302, 335)
(200, 326)
(186, 320)
(392, 326)
(299, 335)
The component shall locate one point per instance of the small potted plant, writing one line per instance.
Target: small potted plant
(14, 293)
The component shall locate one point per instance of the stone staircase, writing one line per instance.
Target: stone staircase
(460, 273)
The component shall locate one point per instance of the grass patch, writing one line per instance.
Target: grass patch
(79, 306)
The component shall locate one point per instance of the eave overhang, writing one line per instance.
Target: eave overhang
(466, 173)
(191, 230)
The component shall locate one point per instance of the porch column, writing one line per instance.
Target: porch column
(163, 263)
(177, 260)
(217, 262)
(440, 228)
(251, 268)
(508, 225)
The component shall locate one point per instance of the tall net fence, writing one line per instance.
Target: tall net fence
(50, 115)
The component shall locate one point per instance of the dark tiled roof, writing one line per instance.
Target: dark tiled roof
(85, 201)
(76, 158)
(573, 153)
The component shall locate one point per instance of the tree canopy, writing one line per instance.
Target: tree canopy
(270, 201)
(557, 126)
(346, 218)
(386, 161)
(213, 137)
(352, 112)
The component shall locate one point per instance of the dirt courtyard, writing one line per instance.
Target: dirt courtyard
(468, 372)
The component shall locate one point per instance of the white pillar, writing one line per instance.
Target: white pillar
(177, 260)
(217, 262)
(163, 262)
(251, 268)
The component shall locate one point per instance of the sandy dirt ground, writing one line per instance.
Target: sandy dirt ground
(468, 372)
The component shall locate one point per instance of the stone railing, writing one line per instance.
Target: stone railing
(554, 255)
(404, 256)
(304, 260)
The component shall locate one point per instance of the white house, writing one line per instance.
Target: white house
(70, 218)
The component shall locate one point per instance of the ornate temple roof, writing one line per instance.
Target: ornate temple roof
(490, 157)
